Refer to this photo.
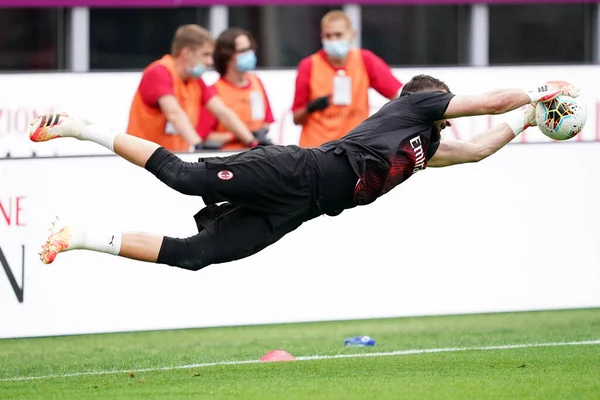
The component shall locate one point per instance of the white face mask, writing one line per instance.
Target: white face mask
(245, 61)
(197, 70)
(336, 48)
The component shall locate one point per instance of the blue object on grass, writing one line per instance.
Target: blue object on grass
(360, 341)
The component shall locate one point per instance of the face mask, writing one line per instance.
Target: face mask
(336, 48)
(197, 70)
(246, 61)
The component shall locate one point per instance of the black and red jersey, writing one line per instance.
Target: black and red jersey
(391, 145)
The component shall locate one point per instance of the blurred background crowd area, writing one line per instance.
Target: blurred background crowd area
(108, 39)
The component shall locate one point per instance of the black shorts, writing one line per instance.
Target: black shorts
(272, 179)
(258, 196)
(254, 199)
(228, 232)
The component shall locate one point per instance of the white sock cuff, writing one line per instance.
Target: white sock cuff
(113, 246)
(101, 135)
(103, 242)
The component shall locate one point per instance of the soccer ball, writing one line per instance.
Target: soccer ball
(561, 118)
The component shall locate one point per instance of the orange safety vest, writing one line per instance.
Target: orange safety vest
(336, 121)
(238, 99)
(150, 123)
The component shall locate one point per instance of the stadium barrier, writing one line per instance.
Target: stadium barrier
(519, 231)
(106, 98)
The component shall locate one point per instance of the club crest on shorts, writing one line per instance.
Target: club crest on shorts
(225, 175)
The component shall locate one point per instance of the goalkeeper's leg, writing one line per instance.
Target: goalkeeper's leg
(226, 233)
(185, 177)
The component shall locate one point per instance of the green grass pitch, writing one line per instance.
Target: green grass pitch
(145, 361)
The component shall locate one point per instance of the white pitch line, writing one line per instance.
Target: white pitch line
(307, 358)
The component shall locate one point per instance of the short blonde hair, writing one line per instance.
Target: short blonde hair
(336, 15)
(190, 35)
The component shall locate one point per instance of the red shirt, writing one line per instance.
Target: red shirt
(157, 82)
(208, 122)
(380, 77)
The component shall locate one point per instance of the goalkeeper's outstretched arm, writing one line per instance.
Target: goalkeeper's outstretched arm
(504, 100)
(484, 144)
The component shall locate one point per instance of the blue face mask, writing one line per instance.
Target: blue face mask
(336, 48)
(197, 70)
(245, 61)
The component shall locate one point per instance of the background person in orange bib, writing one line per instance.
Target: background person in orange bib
(241, 90)
(332, 84)
(167, 104)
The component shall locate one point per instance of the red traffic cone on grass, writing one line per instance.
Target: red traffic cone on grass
(277, 355)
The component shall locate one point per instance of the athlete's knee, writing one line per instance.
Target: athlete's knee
(185, 177)
(193, 253)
